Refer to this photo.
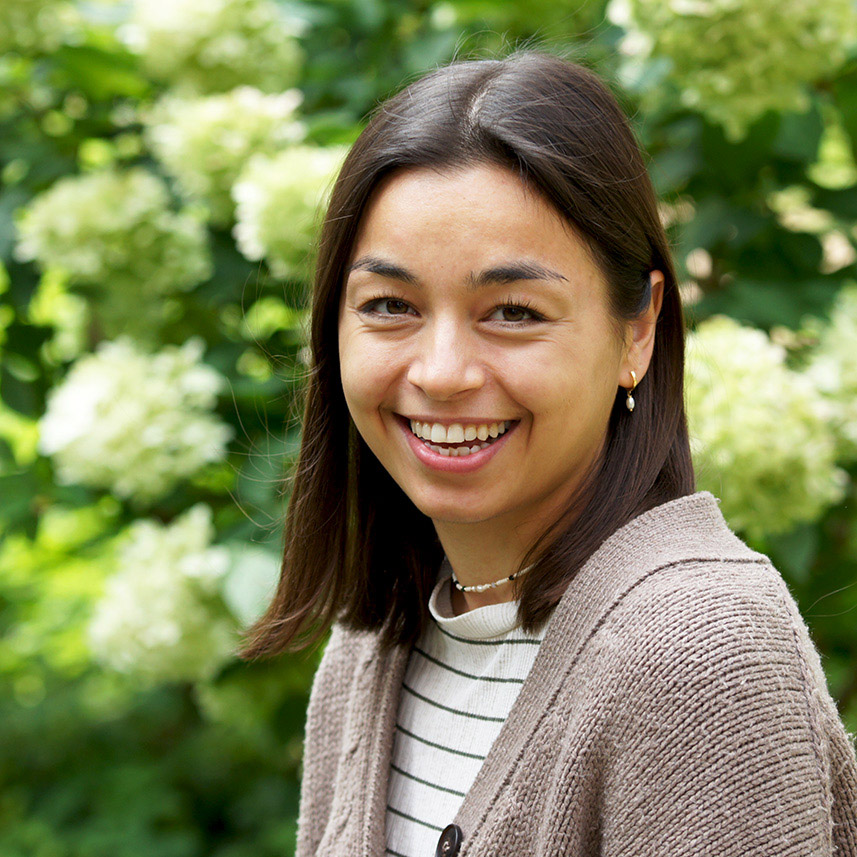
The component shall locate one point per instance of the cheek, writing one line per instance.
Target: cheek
(364, 375)
(574, 395)
(349, 374)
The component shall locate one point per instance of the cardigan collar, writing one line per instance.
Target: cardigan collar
(690, 528)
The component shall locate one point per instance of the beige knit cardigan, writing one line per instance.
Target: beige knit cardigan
(677, 706)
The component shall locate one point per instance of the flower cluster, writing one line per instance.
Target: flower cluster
(734, 60)
(833, 371)
(162, 616)
(278, 203)
(758, 431)
(115, 229)
(215, 45)
(132, 422)
(35, 26)
(205, 141)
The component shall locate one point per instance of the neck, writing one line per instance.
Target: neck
(482, 553)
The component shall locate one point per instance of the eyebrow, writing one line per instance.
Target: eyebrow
(499, 275)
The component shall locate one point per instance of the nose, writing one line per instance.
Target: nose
(445, 362)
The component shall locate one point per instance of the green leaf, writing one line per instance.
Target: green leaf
(99, 73)
(736, 166)
(842, 203)
(794, 553)
(768, 303)
(799, 135)
(672, 169)
(27, 339)
(791, 257)
(18, 491)
(709, 226)
(845, 97)
(10, 200)
(19, 394)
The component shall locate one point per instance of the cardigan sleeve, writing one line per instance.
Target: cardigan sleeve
(725, 740)
(323, 741)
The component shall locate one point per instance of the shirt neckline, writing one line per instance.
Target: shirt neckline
(481, 623)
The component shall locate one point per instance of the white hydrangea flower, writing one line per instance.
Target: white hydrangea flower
(279, 200)
(36, 26)
(215, 45)
(205, 141)
(162, 616)
(115, 229)
(833, 371)
(758, 431)
(132, 422)
(733, 60)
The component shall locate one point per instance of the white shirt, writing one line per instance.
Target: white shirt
(463, 675)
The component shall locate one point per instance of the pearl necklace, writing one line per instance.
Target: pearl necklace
(481, 587)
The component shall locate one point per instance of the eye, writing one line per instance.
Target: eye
(385, 307)
(515, 313)
(393, 307)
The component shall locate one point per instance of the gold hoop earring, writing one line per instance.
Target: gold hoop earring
(629, 402)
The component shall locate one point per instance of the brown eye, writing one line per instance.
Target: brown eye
(514, 313)
(395, 307)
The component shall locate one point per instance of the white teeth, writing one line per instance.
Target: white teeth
(458, 433)
(455, 434)
(457, 452)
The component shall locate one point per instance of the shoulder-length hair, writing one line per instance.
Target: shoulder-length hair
(356, 548)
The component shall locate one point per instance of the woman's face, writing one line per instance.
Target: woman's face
(478, 355)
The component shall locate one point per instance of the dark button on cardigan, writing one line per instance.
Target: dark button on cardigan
(449, 843)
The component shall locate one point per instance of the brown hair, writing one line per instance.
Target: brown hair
(357, 550)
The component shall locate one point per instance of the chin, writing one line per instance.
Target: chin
(453, 514)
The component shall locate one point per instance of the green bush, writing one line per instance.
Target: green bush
(153, 308)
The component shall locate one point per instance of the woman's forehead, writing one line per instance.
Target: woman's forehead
(427, 180)
(477, 209)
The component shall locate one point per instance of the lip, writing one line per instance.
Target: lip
(463, 421)
(446, 464)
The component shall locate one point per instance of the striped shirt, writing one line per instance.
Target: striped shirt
(463, 676)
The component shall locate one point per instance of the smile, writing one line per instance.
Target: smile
(457, 438)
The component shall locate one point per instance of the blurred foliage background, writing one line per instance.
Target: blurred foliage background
(163, 164)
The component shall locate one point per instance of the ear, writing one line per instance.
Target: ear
(640, 335)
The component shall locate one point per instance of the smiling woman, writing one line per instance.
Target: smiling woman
(473, 304)
(544, 642)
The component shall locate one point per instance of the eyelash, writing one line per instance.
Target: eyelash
(524, 304)
(509, 303)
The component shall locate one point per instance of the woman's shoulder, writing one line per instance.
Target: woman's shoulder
(684, 554)
(699, 602)
(672, 570)
(716, 698)
(705, 586)
(697, 597)
(720, 630)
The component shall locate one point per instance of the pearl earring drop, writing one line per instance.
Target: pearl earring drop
(629, 402)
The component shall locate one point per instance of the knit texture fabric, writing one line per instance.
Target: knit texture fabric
(463, 675)
(677, 706)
